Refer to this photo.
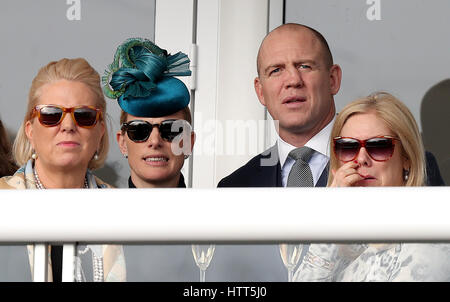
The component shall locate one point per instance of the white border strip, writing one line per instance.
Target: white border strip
(226, 215)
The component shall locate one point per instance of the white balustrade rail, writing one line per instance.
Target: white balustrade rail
(250, 215)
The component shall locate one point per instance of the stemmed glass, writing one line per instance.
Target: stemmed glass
(290, 254)
(203, 254)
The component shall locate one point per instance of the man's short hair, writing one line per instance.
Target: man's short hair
(328, 57)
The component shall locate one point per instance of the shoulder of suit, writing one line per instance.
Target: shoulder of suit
(246, 172)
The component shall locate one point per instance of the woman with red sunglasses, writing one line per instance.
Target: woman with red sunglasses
(155, 134)
(62, 138)
(375, 141)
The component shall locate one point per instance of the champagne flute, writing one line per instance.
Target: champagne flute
(203, 254)
(290, 254)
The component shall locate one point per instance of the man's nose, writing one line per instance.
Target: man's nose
(294, 78)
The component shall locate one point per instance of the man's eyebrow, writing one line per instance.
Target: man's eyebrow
(275, 65)
(307, 61)
(297, 62)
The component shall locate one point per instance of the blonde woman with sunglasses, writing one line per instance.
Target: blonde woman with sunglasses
(375, 141)
(62, 138)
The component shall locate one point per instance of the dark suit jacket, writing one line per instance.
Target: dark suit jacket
(264, 170)
(434, 177)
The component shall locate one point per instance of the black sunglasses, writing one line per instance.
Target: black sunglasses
(380, 148)
(139, 131)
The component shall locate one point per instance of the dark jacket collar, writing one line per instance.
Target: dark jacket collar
(181, 183)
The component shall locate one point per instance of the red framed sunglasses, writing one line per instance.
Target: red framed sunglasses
(379, 148)
(52, 115)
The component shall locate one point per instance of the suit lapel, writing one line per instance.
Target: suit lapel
(323, 179)
(269, 168)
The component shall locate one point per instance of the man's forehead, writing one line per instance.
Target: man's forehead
(293, 47)
(300, 37)
(282, 38)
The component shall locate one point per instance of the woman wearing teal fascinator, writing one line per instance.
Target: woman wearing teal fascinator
(155, 135)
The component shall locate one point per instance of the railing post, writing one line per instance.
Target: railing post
(40, 262)
(68, 266)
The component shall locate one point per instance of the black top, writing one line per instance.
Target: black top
(181, 183)
(56, 257)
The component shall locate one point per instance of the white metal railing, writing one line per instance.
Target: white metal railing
(249, 215)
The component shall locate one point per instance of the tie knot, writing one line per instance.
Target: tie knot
(303, 153)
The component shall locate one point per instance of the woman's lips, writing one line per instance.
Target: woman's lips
(368, 180)
(68, 144)
(366, 177)
(156, 161)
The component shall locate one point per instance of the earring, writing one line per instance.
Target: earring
(405, 175)
(96, 156)
(125, 155)
(34, 155)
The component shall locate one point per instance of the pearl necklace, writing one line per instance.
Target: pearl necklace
(39, 185)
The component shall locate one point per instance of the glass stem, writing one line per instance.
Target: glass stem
(290, 275)
(202, 275)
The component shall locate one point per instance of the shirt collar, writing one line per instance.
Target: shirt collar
(319, 143)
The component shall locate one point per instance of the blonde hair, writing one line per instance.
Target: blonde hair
(77, 70)
(399, 120)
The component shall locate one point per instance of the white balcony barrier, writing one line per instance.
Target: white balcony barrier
(222, 216)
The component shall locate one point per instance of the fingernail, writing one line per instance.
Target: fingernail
(355, 161)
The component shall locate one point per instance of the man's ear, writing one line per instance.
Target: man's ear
(120, 137)
(335, 79)
(258, 90)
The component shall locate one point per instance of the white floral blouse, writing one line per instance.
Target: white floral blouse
(376, 262)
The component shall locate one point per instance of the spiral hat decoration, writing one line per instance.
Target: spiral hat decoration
(141, 78)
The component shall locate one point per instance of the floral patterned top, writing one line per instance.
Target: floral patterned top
(376, 262)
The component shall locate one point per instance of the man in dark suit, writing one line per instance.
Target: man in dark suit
(296, 82)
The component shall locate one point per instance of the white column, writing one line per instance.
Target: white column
(228, 118)
(173, 32)
(40, 263)
(68, 265)
(228, 36)
(276, 12)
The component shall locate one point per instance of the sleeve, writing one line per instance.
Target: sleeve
(325, 262)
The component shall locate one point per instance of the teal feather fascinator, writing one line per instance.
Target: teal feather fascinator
(141, 78)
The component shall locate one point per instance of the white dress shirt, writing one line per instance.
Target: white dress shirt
(319, 160)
